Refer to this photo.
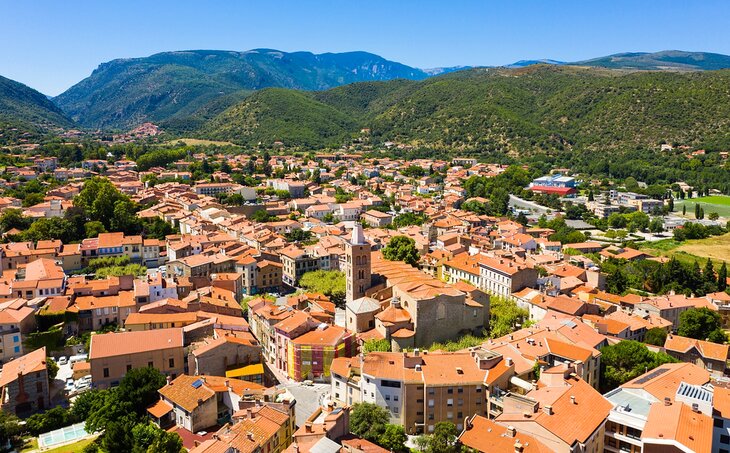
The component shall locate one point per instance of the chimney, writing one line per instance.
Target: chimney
(572, 399)
(547, 409)
(508, 361)
(249, 435)
(169, 380)
(249, 413)
(695, 408)
(511, 431)
(667, 401)
(518, 447)
(308, 427)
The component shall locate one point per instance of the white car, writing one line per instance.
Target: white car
(69, 387)
(62, 361)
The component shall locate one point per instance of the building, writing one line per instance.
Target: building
(563, 412)
(357, 268)
(377, 219)
(197, 403)
(112, 355)
(503, 277)
(17, 319)
(419, 389)
(24, 384)
(712, 357)
(634, 406)
(295, 263)
(485, 436)
(310, 356)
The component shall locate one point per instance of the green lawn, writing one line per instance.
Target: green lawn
(72, 448)
(715, 203)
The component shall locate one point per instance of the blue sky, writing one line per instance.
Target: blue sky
(51, 44)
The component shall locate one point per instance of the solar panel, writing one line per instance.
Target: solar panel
(652, 375)
(197, 383)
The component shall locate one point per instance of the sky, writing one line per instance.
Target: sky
(51, 45)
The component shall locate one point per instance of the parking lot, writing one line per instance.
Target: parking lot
(64, 385)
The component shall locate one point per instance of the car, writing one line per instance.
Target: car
(86, 379)
(69, 386)
(81, 385)
(308, 383)
(62, 360)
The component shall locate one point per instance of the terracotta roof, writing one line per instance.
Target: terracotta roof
(706, 349)
(484, 435)
(120, 343)
(30, 363)
(678, 422)
(663, 381)
(187, 392)
(160, 408)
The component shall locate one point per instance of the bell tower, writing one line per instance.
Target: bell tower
(357, 271)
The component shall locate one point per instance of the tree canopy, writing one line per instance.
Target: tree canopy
(402, 248)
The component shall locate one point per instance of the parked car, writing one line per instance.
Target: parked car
(69, 387)
(62, 360)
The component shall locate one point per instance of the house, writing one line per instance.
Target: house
(225, 351)
(17, 319)
(483, 435)
(113, 354)
(24, 384)
(711, 356)
(377, 219)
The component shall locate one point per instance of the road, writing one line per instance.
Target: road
(524, 204)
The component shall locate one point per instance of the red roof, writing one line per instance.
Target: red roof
(556, 190)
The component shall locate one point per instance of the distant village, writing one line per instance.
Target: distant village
(445, 316)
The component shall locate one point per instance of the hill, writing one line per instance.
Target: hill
(171, 85)
(542, 107)
(677, 60)
(24, 110)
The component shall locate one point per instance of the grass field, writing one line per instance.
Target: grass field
(71, 448)
(716, 203)
(717, 248)
(198, 142)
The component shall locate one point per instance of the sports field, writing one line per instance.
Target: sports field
(715, 203)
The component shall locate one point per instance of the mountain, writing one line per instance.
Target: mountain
(24, 110)
(446, 70)
(537, 108)
(677, 60)
(169, 85)
(523, 63)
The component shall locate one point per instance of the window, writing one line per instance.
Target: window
(450, 390)
(171, 362)
(719, 423)
(450, 402)
(150, 364)
(387, 397)
(724, 439)
(106, 372)
(430, 403)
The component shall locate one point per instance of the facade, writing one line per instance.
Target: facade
(24, 384)
(112, 355)
(357, 268)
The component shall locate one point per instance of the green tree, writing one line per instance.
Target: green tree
(504, 316)
(444, 439)
(394, 439)
(626, 360)
(9, 427)
(701, 324)
(722, 277)
(402, 248)
(93, 229)
(330, 283)
(13, 218)
(376, 345)
(655, 336)
(368, 421)
(52, 368)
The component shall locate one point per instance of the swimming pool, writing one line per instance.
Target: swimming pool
(62, 436)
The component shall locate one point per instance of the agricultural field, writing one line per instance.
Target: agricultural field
(715, 203)
(716, 248)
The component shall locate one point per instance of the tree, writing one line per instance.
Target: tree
(139, 387)
(376, 345)
(368, 421)
(13, 218)
(330, 283)
(684, 209)
(656, 225)
(504, 316)
(298, 234)
(626, 360)
(444, 439)
(655, 336)
(394, 439)
(402, 248)
(701, 324)
(709, 272)
(722, 277)
(713, 216)
(9, 427)
(93, 229)
(52, 368)
(421, 442)
(670, 204)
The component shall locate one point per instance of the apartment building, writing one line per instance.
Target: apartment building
(419, 389)
(295, 263)
(16, 321)
(503, 277)
(113, 354)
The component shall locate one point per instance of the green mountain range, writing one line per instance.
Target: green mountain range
(540, 107)
(677, 60)
(123, 93)
(24, 111)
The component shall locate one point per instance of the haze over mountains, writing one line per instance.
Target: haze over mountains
(222, 94)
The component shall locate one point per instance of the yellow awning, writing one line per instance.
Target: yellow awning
(248, 370)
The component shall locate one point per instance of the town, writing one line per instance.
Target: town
(357, 301)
